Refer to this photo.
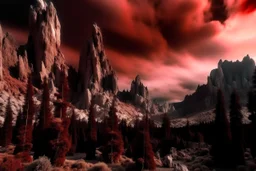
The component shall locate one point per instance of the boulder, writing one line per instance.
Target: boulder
(167, 161)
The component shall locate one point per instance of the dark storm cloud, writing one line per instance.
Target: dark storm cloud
(218, 10)
(248, 6)
(138, 27)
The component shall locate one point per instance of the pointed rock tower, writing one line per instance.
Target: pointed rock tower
(95, 72)
(44, 38)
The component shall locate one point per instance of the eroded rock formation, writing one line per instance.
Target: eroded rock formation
(227, 76)
(95, 72)
(44, 39)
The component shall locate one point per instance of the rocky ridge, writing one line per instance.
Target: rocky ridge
(227, 76)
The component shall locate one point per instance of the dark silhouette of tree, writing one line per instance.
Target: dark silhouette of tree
(221, 147)
(114, 146)
(166, 126)
(73, 133)
(236, 129)
(59, 141)
(166, 140)
(24, 136)
(92, 134)
(251, 105)
(142, 150)
(7, 127)
(45, 114)
(17, 127)
(43, 122)
(62, 96)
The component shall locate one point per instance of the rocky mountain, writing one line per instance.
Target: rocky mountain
(95, 79)
(138, 95)
(227, 76)
(95, 74)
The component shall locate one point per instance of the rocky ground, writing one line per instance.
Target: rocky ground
(195, 158)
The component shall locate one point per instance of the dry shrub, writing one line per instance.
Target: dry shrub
(11, 164)
(41, 164)
(100, 167)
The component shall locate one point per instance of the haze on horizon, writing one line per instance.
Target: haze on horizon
(172, 45)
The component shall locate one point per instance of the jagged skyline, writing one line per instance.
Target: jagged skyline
(178, 52)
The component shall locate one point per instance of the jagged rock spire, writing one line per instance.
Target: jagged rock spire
(44, 36)
(95, 70)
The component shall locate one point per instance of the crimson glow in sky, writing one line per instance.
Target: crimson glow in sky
(173, 45)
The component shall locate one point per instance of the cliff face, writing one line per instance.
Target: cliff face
(227, 76)
(95, 72)
(44, 41)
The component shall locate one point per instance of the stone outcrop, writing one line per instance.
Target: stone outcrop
(137, 88)
(95, 72)
(44, 38)
(227, 76)
(9, 51)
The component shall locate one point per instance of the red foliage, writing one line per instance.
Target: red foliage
(7, 127)
(24, 137)
(114, 147)
(58, 141)
(142, 149)
(11, 164)
(92, 135)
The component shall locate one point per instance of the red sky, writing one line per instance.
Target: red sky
(172, 44)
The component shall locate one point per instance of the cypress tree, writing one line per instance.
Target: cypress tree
(44, 121)
(166, 141)
(251, 105)
(114, 146)
(62, 142)
(7, 127)
(73, 133)
(142, 150)
(92, 135)
(221, 146)
(24, 136)
(236, 129)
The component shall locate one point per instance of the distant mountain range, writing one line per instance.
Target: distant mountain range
(227, 76)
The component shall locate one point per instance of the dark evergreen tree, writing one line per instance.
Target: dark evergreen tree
(42, 123)
(73, 133)
(59, 141)
(251, 105)
(7, 127)
(92, 134)
(142, 150)
(114, 146)
(165, 146)
(24, 136)
(236, 129)
(221, 150)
